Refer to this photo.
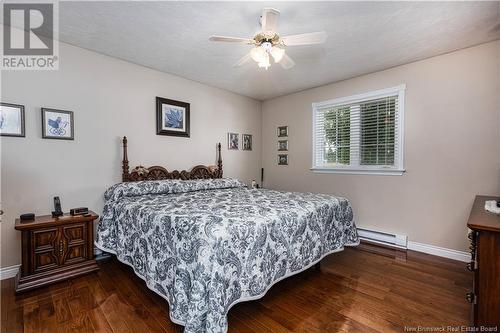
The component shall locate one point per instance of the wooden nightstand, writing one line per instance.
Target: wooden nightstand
(55, 249)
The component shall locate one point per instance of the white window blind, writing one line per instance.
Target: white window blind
(360, 134)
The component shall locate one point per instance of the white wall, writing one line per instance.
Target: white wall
(110, 98)
(452, 146)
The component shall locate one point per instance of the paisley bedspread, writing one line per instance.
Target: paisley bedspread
(205, 245)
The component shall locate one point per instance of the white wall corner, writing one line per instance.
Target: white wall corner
(9, 272)
(439, 251)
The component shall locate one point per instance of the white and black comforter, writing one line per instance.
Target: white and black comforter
(205, 245)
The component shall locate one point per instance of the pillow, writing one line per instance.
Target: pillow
(167, 186)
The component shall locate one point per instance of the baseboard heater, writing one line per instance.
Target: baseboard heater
(383, 238)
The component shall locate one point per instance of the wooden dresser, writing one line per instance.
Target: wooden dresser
(54, 249)
(485, 263)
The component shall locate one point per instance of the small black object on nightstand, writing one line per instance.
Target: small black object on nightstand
(57, 208)
(79, 211)
(27, 217)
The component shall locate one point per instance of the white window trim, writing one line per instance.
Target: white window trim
(370, 170)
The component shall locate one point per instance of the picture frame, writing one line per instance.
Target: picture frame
(282, 131)
(233, 141)
(12, 120)
(282, 159)
(172, 117)
(282, 145)
(57, 124)
(246, 141)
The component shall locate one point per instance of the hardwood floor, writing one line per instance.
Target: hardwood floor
(367, 289)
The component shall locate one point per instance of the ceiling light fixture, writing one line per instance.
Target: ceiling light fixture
(260, 54)
(268, 43)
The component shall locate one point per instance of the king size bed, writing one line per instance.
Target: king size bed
(205, 243)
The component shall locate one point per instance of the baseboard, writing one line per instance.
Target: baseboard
(9, 272)
(439, 251)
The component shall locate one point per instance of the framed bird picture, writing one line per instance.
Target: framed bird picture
(57, 124)
(172, 117)
(11, 119)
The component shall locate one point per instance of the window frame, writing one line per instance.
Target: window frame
(398, 168)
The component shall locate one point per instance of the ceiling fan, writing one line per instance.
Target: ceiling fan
(269, 44)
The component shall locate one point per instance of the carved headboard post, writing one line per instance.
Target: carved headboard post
(125, 173)
(219, 160)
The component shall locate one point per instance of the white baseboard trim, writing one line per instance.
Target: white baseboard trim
(439, 251)
(9, 272)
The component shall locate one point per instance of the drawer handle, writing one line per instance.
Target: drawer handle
(470, 297)
(471, 266)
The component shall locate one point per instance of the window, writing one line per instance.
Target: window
(360, 134)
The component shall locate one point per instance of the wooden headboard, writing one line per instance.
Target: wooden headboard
(158, 172)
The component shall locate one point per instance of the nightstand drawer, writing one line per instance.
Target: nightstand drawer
(44, 239)
(45, 260)
(75, 253)
(75, 241)
(44, 244)
(75, 232)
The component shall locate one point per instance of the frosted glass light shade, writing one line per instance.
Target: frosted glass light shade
(264, 63)
(258, 54)
(277, 53)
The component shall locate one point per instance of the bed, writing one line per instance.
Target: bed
(205, 243)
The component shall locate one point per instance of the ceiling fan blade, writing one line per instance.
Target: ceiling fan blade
(305, 39)
(246, 58)
(286, 62)
(230, 39)
(269, 20)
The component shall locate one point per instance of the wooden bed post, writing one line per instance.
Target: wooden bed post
(219, 160)
(125, 173)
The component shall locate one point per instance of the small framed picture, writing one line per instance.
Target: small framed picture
(11, 120)
(233, 141)
(282, 159)
(282, 131)
(57, 124)
(282, 145)
(247, 141)
(172, 117)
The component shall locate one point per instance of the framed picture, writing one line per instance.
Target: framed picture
(57, 124)
(233, 141)
(11, 120)
(247, 141)
(283, 131)
(172, 117)
(282, 145)
(282, 159)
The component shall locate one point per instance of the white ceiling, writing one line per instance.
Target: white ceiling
(363, 37)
